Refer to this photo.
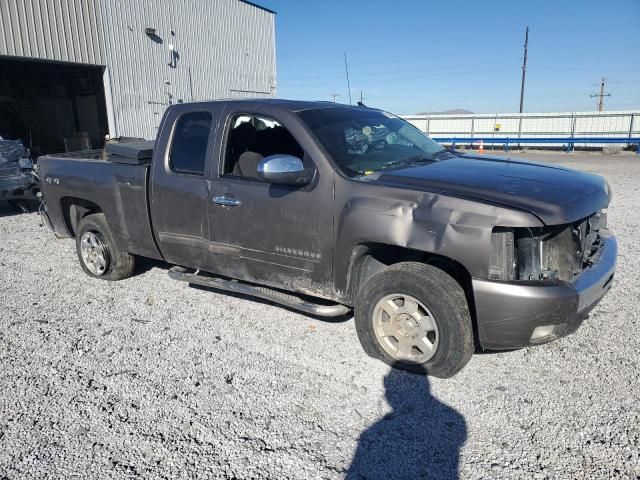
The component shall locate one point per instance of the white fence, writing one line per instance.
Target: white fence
(622, 124)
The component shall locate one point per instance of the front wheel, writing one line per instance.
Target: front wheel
(415, 317)
(98, 254)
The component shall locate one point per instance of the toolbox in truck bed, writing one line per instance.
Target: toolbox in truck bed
(134, 153)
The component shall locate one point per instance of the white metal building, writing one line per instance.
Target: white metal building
(78, 69)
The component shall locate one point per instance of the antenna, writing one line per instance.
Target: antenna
(361, 101)
(524, 68)
(334, 95)
(346, 67)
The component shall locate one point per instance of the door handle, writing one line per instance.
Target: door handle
(226, 201)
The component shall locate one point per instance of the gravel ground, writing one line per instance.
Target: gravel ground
(148, 377)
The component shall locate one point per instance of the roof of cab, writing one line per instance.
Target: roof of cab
(292, 105)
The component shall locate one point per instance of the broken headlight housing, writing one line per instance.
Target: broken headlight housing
(502, 265)
(559, 252)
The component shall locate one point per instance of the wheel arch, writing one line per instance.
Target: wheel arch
(74, 209)
(369, 258)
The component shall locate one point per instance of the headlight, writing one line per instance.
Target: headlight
(502, 265)
(25, 163)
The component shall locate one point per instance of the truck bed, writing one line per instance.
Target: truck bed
(118, 190)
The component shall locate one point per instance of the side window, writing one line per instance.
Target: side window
(251, 138)
(189, 145)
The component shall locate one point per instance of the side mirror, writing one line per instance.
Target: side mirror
(284, 170)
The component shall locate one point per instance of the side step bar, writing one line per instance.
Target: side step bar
(276, 296)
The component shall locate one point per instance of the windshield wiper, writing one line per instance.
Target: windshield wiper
(400, 161)
(440, 152)
(410, 160)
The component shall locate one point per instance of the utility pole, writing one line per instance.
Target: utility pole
(601, 95)
(524, 68)
(334, 95)
(346, 67)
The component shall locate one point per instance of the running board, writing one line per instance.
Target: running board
(276, 296)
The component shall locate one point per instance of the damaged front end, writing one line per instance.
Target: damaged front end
(559, 252)
(543, 281)
(18, 177)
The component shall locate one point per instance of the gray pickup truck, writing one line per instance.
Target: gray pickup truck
(325, 207)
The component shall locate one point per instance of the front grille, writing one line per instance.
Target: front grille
(9, 170)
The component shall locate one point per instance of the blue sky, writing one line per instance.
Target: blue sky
(412, 56)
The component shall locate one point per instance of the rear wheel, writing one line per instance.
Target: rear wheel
(415, 317)
(98, 253)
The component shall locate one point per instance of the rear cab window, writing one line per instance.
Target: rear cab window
(188, 151)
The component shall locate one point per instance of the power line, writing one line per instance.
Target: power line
(299, 80)
(408, 60)
(377, 79)
(379, 71)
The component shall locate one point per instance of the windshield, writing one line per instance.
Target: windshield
(363, 141)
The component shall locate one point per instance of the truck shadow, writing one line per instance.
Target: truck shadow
(341, 318)
(9, 210)
(144, 265)
(420, 438)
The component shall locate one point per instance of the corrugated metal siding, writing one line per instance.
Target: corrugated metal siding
(63, 30)
(225, 48)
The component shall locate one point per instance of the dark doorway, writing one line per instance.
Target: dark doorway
(52, 106)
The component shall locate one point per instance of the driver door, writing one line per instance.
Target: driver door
(278, 235)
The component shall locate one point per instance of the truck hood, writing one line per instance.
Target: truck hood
(555, 194)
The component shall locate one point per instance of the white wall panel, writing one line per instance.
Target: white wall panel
(561, 124)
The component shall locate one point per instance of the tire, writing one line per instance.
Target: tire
(431, 316)
(100, 257)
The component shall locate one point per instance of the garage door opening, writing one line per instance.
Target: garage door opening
(51, 106)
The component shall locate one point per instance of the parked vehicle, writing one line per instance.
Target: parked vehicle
(325, 207)
(18, 180)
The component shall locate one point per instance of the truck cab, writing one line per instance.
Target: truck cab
(224, 218)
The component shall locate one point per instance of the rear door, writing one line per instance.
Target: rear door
(277, 235)
(180, 187)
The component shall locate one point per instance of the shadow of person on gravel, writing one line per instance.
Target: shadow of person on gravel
(420, 438)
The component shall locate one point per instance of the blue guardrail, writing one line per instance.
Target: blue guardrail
(568, 142)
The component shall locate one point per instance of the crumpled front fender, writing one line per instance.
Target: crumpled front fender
(454, 227)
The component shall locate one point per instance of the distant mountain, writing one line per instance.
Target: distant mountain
(454, 111)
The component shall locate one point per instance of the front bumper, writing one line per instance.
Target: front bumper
(508, 313)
